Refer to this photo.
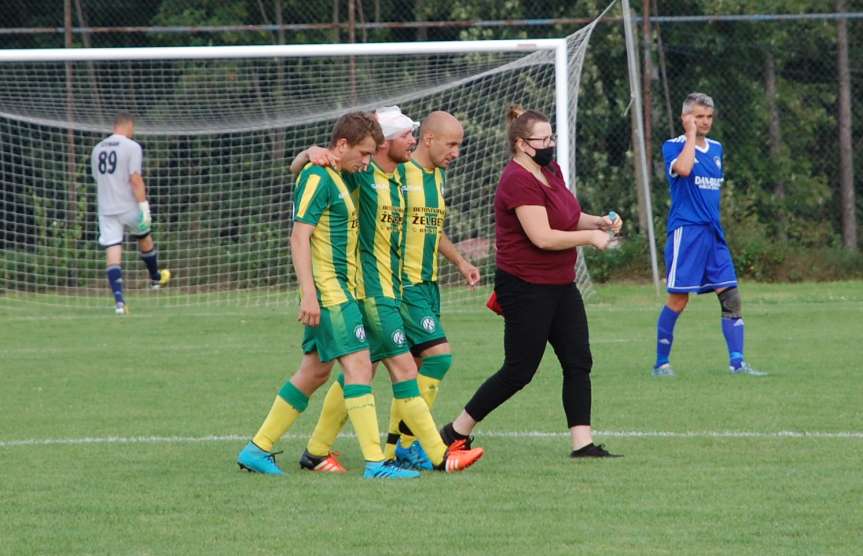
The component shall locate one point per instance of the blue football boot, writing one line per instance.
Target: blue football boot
(388, 469)
(414, 457)
(255, 460)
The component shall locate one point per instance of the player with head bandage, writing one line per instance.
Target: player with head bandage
(697, 258)
(379, 192)
(122, 203)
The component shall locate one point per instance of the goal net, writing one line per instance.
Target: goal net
(219, 128)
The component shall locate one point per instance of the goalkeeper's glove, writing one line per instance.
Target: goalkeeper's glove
(144, 219)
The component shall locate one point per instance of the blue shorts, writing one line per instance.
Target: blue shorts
(697, 260)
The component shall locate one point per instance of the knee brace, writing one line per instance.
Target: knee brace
(730, 302)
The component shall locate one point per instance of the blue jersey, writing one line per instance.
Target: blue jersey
(695, 198)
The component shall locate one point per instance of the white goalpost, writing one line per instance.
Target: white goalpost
(219, 127)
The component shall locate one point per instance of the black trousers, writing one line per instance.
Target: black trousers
(537, 314)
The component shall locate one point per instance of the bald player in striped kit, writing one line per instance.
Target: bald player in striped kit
(424, 179)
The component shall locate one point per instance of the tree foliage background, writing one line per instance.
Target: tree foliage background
(781, 198)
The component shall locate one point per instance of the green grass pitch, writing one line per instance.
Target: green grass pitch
(118, 436)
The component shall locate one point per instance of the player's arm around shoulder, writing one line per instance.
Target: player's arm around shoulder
(313, 155)
(307, 170)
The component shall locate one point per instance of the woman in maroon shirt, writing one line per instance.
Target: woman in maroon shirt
(539, 226)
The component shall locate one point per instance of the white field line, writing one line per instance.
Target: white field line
(210, 348)
(14, 313)
(166, 313)
(104, 348)
(854, 435)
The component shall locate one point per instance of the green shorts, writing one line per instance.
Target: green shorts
(386, 330)
(420, 308)
(340, 332)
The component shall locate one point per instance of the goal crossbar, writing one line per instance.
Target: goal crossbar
(273, 51)
(558, 46)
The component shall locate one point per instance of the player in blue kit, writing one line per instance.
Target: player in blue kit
(697, 259)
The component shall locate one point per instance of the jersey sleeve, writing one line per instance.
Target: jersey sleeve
(517, 190)
(312, 196)
(136, 157)
(94, 164)
(670, 151)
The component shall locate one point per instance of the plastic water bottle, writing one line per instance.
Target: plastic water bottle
(614, 241)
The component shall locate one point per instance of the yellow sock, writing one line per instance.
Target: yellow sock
(392, 431)
(333, 418)
(432, 371)
(360, 405)
(415, 413)
(280, 418)
(428, 388)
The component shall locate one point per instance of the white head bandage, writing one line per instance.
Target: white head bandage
(393, 122)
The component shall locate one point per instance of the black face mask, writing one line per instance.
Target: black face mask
(543, 156)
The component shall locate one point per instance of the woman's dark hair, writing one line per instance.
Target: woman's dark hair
(520, 123)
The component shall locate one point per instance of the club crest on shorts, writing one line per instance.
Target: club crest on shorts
(360, 332)
(399, 338)
(428, 324)
(718, 162)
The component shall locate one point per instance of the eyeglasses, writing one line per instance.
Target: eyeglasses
(545, 141)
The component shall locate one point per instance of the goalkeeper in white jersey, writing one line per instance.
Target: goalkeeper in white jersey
(122, 200)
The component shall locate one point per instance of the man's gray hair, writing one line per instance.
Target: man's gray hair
(696, 98)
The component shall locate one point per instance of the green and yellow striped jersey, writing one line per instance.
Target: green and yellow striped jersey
(381, 204)
(322, 199)
(424, 218)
